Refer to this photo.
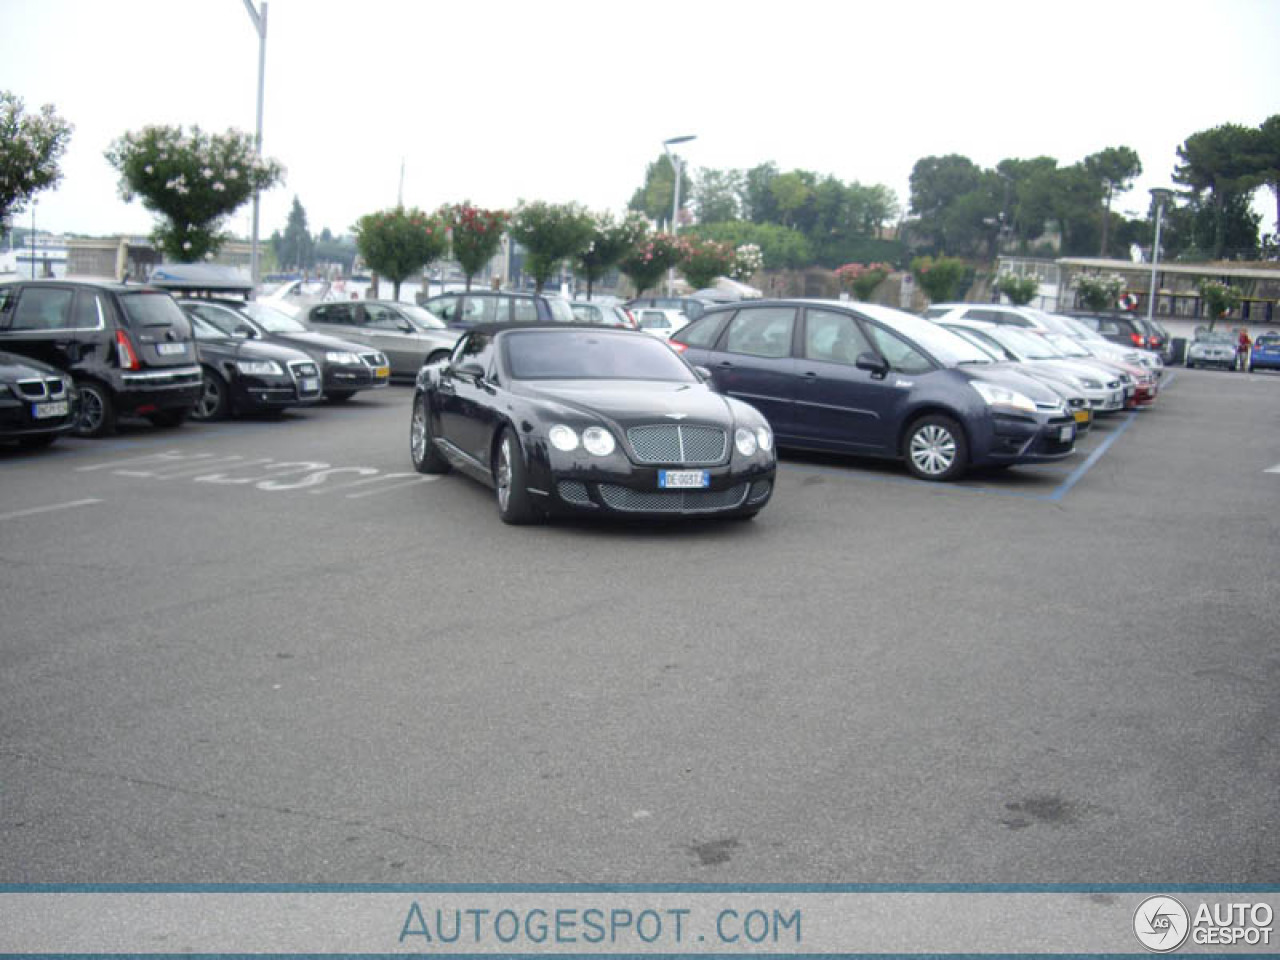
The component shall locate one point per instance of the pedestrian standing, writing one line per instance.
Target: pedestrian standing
(1243, 346)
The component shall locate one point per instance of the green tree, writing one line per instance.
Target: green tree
(716, 195)
(1269, 160)
(1115, 168)
(654, 199)
(475, 234)
(937, 183)
(791, 191)
(782, 247)
(646, 262)
(705, 261)
(610, 242)
(398, 243)
(1217, 166)
(757, 200)
(938, 278)
(30, 147)
(296, 249)
(550, 234)
(193, 180)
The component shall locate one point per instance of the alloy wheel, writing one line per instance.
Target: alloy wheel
(933, 449)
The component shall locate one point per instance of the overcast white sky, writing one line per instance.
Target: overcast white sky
(561, 100)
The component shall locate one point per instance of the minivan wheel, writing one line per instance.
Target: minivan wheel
(97, 413)
(935, 448)
(215, 398)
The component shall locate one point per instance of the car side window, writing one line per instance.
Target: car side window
(654, 320)
(378, 317)
(761, 332)
(6, 304)
(88, 312)
(337, 313)
(834, 337)
(475, 348)
(902, 357)
(587, 313)
(484, 310)
(445, 308)
(704, 332)
(44, 308)
(524, 310)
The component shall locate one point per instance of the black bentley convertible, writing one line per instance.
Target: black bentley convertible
(585, 420)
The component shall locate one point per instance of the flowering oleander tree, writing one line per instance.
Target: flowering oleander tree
(1099, 291)
(192, 180)
(475, 234)
(550, 234)
(610, 241)
(938, 278)
(1020, 290)
(31, 144)
(705, 260)
(1218, 299)
(748, 260)
(861, 279)
(649, 259)
(398, 243)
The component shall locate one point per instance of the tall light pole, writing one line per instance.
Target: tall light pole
(259, 19)
(678, 167)
(1161, 196)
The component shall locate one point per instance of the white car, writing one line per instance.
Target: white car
(1212, 349)
(661, 323)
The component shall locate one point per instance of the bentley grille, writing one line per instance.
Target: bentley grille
(677, 443)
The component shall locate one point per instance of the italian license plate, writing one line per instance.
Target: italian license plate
(1067, 434)
(683, 479)
(46, 411)
(382, 371)
(310, 384)
(170, 349)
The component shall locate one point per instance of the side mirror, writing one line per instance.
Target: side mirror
(704, 375)
(471, 370)
(246, 331)
(877, 365)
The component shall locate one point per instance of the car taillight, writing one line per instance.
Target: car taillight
(1136, 338)
(677, 346)
(124, 352)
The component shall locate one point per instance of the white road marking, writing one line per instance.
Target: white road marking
(1275, 469)
(417, 479)
(172, 456)
(49, 509)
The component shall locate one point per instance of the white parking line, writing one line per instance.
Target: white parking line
(1275, 469)
(417, 479)
(49, 509)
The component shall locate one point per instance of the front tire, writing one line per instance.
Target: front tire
(935, 448)
(510, 482)
(97, 411)
(426, 456)
(215, 398)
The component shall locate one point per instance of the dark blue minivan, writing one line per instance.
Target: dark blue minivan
(873, 381)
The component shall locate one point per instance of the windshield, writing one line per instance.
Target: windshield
(1066, 345)
(420, 318)
(1214, 337)
(204, 330)
(272, 320)
(1022, 345)
(592, 355)
(948, 349)
(975, 338)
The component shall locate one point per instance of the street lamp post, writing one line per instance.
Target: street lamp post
(1161, 196)
(677, 166)
(259, 18)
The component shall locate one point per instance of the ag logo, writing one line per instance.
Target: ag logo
(1161, 924)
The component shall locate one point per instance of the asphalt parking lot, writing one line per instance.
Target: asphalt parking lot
(267, 650)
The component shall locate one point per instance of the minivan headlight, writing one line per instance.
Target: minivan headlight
(997, 396)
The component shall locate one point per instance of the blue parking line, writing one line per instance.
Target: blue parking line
(1093, 458)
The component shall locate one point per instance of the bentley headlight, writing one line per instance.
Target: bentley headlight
(260, 368)
(997, 396)
(341, 356)
(598, 441)
(563, 438)
(745, 441)
(764, 437)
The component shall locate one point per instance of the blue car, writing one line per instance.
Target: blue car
(872, 381)
(1266, 352)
